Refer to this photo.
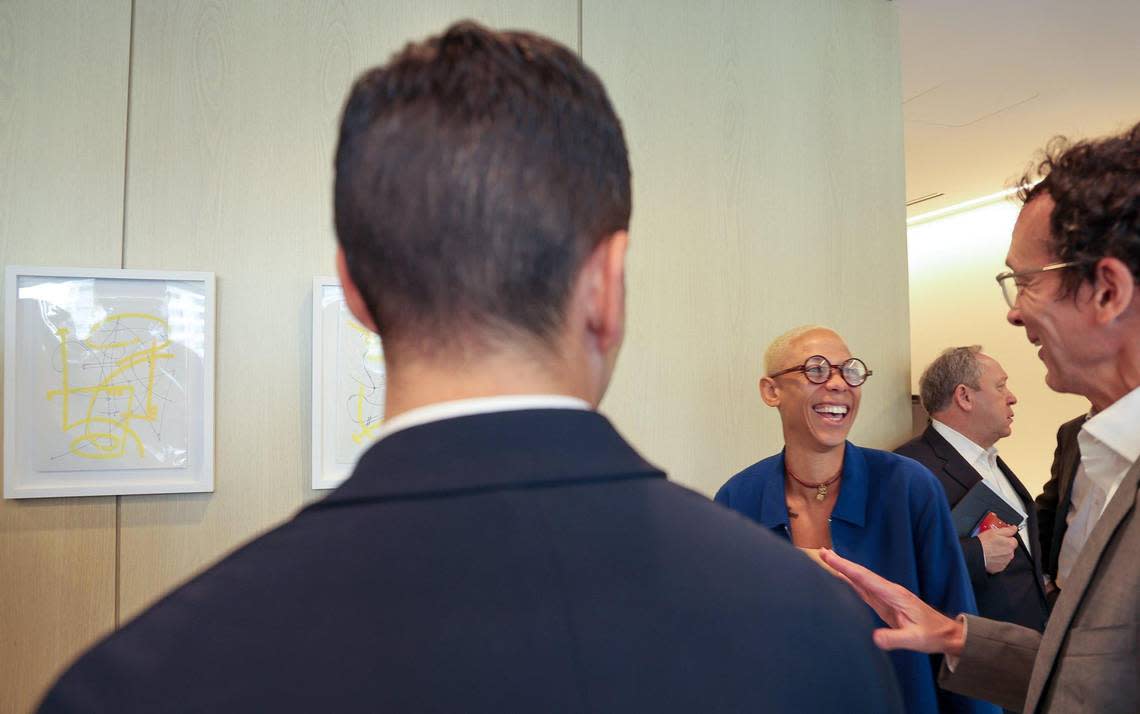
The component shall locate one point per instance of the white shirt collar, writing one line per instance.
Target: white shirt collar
(1115, 427)
(479, 405)
(971, 452)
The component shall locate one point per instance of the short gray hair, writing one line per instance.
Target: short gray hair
(956, 365)
(777, 353)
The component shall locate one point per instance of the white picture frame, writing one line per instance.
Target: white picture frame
(349, 381)
(108, 382)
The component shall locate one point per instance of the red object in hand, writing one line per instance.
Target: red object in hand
(990, 521)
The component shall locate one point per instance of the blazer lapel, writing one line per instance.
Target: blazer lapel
(1073, 593)
(953, 464)
(1072, 460)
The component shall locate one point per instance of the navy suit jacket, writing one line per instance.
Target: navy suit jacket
(1016, 594)
(524, 561)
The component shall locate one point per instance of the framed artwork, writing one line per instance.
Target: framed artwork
(108, 382)
(348, 385)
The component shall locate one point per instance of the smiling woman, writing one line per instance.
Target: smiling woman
(884, 511)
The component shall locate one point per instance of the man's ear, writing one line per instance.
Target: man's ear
(352, 296)
(605, 274)
(768, 391)
(963, 398)
(1114, 289)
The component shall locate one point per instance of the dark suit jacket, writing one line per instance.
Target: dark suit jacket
(525, 561)
(1017, 593)
(1056, 497)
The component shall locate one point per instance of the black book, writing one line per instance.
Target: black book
(974, 506)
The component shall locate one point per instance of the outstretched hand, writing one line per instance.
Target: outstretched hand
(914, 625)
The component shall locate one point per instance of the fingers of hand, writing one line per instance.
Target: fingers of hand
(856, 574)
(890, 639)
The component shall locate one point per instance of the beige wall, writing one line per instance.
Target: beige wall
(766, 144)
(63, 110)
(767, 158)
(955, 301)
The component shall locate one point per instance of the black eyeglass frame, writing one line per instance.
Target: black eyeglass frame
(816, 361)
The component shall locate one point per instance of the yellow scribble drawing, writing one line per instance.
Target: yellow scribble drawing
(107, 437)
(368, 424)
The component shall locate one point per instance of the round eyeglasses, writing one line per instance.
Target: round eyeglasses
(818, 370)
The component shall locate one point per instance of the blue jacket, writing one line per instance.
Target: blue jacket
(892, 517)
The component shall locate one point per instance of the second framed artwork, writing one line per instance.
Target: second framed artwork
(348, 385)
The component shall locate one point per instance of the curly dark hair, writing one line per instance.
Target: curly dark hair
(1095, 186)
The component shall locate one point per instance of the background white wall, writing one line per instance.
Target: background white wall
(198, 135)
(954, 300)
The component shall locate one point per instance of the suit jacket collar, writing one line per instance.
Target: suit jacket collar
(1073, 593)
(1071, 455)
(502, 450)
(955, 466)
(850, 506)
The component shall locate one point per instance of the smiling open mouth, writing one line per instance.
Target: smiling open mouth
(831, 413)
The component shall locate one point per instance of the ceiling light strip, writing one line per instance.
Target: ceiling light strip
(963, 206)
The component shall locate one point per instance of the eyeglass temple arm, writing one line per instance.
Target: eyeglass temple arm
(789, 370)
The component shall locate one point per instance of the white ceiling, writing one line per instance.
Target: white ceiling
(986, 83)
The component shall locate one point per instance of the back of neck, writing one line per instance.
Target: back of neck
(414, 383)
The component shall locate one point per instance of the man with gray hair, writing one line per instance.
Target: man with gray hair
(965, 391)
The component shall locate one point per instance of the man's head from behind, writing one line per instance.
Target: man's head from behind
(478, 174)
(808, 376)
(966, 390)
(1083, 220)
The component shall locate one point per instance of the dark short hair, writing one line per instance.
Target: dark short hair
(956, 365)
(1095, 186)
(475, 172)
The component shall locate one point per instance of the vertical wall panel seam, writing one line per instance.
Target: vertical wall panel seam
(580, 55)
(127, 137)
(118, 552)
(118, 589)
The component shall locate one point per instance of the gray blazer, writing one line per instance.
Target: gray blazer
(1088, 658)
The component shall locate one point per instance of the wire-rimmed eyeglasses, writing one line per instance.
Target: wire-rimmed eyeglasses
(1009, 280)
(818, 370)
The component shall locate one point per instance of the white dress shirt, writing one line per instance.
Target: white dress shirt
(1110, 445)
(480, 405)
(985, 463)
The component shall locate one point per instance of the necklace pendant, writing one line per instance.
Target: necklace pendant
(820, 492)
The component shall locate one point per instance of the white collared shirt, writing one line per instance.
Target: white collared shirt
(479, 405)
(1110, 445)
(984, 461)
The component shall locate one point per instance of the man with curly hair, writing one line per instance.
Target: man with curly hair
(1074, 285)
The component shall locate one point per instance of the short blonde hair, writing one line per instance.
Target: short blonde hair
(776, 355)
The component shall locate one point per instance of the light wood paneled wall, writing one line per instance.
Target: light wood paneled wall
(766, 146)
(766, 142)
(63, 115)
